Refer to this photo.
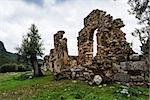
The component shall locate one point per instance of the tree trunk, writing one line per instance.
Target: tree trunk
(36, 67)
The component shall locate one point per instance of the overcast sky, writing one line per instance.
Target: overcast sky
(50, 16)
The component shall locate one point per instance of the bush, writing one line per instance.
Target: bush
(13, 68)
(24, 76)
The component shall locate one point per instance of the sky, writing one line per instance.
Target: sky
(50, 16)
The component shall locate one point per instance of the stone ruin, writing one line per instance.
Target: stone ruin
(115, 61)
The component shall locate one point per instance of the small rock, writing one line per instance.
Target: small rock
(74, 81)
(97, 79)
(104, 84)
(73, 75)
(128, 84)
(85, 73)
(90, 83)
(112, 87)
(100, 86)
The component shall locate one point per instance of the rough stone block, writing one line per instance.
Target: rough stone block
(134, 57)
(136, 65)
(121, 77)
(137, 79)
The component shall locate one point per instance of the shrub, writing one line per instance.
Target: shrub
(13, 67)
(24, 76)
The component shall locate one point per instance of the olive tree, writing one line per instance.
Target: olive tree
(31, 48)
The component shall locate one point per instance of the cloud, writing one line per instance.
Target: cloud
(60, 1)
(37, 2)
(16, 16)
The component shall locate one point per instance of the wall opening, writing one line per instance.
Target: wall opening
(95, 43)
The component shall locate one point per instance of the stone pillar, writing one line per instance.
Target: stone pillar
(59, 55)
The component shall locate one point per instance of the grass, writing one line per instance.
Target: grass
(46, 88)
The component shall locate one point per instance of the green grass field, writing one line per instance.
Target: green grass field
(46, 88)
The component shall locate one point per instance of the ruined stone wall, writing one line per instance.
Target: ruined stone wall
(73, 61)
(134, 71)
(114, 60)
(111, 42)
(85, 39)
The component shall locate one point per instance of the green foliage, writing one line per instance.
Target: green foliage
(130, 92)
(13, 67)
(24, 76)
(6, 57)
(30, 49)
(31, 44)
(141, 10)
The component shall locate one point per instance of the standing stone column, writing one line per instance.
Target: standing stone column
(59, 55)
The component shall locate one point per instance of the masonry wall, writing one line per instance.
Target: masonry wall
(115, 61)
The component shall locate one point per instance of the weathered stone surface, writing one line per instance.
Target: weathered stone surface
(137, 78)
(111, 43)
(136, 65)
(122, 77)
(97, 79)
(79, 72)
(59, 55)
(125, 65)
(147, 77)
(134, 57)
(73, 60)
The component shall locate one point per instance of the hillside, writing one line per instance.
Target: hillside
(5, 56)
(8, 57)
(2, 47)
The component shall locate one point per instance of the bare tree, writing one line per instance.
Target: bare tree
(141, 10)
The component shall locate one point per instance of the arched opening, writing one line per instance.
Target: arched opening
(94, 43)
